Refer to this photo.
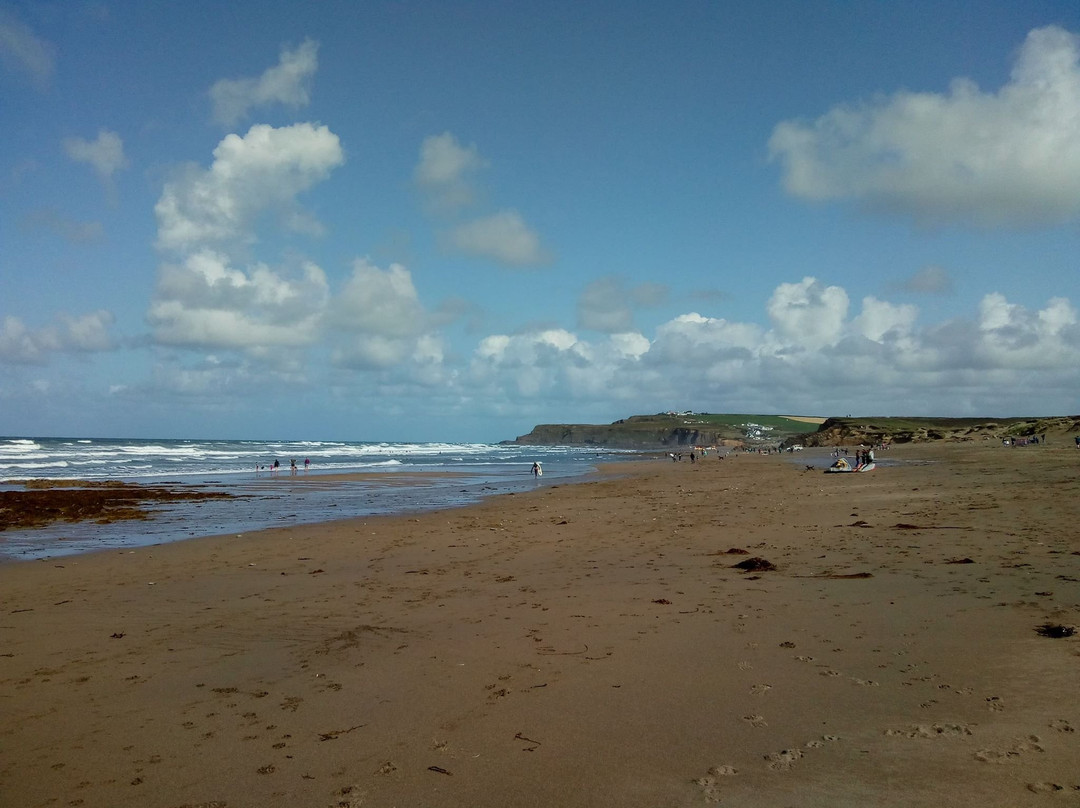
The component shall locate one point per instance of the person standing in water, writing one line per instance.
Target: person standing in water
(536, 470)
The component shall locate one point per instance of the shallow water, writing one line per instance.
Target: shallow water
(404, 478)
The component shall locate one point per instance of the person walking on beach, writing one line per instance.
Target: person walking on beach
(536, 470)
(307, 463)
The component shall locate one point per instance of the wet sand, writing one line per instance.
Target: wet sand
(580, 645)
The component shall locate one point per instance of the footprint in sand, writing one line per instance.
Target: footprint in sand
(931, 731)
(760, 690)
(755, 720)
(783, 760)
(710, 783)
(1049, 788)
(1061, 725)
(352, 797)
(1020, 747)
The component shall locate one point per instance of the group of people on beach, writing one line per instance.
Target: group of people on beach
(694, 455)
(273, 468)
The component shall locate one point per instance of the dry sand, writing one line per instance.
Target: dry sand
(582, 645)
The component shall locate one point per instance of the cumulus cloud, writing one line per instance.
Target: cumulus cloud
(446, 170)
(210, 297)
(287, 83)
(1014, 337)
(23, 52)
(815, 357)
(382, 320)
(266, 168)
(808, 314)
(379, 301)
(880, 318)
(608, 305)
(990, 158)
(105, 154)
(205, 301)
(87, 333)
(502, 237)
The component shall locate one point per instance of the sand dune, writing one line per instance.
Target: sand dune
(581, 645)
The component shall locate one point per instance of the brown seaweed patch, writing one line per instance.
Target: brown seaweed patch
(754, 564)
(1054, 630)
(110, 501)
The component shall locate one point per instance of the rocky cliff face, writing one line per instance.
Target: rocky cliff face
(663, 433)
(612, 436)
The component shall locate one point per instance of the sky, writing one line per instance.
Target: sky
(454, 220)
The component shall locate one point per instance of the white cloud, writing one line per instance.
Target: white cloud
(266, 168)
(880, 319)
(206, 302)
(208, 298)
(86, 333)
(808, 314)
(381, 322)
(1010, 157)
(445, 172)
(814, 359)
(105, 154)
(502, 237)
(1016, 338)
(375, 301)
(22, 51)
(288, 83)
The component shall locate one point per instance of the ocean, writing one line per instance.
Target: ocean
(426, 476)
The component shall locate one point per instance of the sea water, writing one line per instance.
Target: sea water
(427, 476)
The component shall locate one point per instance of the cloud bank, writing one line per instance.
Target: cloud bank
(815, 358)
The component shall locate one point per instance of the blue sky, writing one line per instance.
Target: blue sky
(451, 221)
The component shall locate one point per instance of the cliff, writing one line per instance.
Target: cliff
(667, 431)
(671, 431)
(853, 431)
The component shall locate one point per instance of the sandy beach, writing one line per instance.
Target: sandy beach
(590, 644)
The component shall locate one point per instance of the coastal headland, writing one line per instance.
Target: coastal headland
(746, 631)
(670, 430)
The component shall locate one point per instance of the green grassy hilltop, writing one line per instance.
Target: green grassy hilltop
(686, 429)
(666, 430)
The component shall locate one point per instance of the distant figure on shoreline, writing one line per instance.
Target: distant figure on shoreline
(277, 465)
(292, 466)
(536, 470)
(307, 463)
